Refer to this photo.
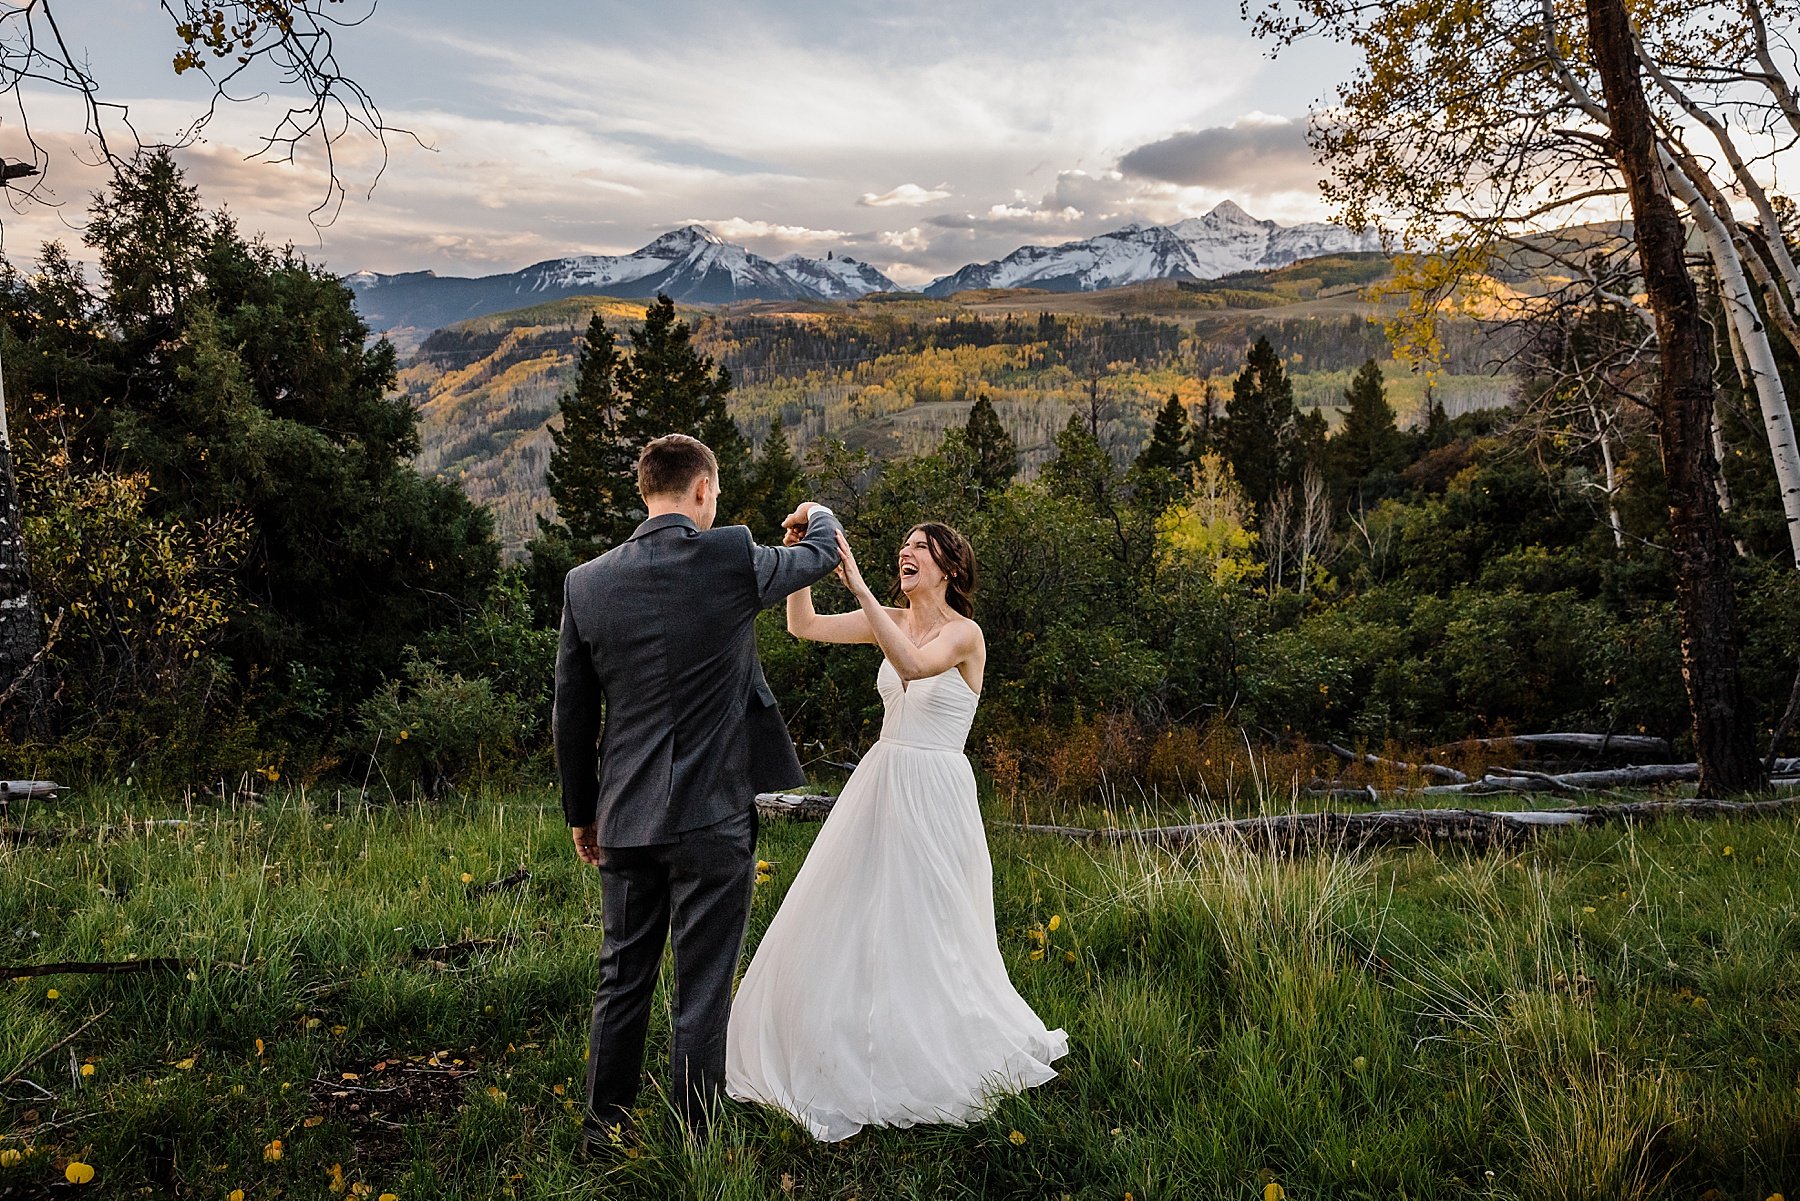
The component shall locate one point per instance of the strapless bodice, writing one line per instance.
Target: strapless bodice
(932, 714)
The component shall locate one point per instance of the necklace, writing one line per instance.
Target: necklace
(931, 630)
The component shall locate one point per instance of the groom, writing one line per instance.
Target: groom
(659, 647)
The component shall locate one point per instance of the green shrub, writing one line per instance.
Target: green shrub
(438, 729)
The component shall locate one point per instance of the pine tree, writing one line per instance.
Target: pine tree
(1261, 426)
(779, 482)
(1311, 431)
(996, 460)
(592, 475)
(246, 389)
(1081, 470)
(1437, 421)
(1369, 450)
(675, 389)
(1203, 429)
(1159, 472)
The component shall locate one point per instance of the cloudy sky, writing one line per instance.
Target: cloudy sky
(915, 135)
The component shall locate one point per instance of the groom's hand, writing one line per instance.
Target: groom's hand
(794, 524)
(587, 843)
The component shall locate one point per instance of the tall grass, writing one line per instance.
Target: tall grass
(1604, 1014)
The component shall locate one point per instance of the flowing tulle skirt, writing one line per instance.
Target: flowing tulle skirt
(878, 995)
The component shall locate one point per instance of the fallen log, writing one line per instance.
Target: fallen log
(1642, 776)
(795, 806)
(1478, 829)
(1601, 744)
(1287, 833)
(24, 790)
(1428, 769)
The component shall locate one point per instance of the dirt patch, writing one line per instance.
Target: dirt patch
(379, 1101)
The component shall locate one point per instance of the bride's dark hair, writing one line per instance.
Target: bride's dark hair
(954, 557)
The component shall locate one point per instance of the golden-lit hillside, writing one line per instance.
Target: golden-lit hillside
(890, 373)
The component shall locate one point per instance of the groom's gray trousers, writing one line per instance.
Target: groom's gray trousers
(665, 732)
(699, 890)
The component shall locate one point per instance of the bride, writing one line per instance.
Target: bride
(878, 995)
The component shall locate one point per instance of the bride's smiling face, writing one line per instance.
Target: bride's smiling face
(919, 570)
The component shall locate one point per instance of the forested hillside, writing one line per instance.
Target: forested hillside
(892, 373)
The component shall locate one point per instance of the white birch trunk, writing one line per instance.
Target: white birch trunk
(1759, 357)
(1612, 474)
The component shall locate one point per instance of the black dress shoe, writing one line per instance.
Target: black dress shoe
(605, 1144)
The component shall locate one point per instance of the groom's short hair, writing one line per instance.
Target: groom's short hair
(668, 465)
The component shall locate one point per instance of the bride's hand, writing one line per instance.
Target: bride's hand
(847, 570)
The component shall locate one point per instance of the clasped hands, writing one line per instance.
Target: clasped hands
(794, 530)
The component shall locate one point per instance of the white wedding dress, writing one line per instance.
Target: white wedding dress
(878, 995)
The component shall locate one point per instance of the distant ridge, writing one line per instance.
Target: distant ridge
(693, 265)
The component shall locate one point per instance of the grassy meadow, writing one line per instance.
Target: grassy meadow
(1607, 1013)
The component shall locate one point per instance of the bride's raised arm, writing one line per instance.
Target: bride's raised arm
(961, 640)
(804, 621)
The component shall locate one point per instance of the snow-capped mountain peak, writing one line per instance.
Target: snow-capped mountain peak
(691, 264)
(1228, 210)
(682, 241)
(1220, 242)
(836, 276)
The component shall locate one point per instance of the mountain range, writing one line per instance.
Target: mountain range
(1225, 241)
(693, 265)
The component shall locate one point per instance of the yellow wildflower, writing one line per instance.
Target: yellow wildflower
(1273, 1192)
(467, 878)
(87, 1069)
(78, 1172)
(1055, 922)
(272, 1152)
(12, 1157)
(52, 994)
(1016, 1138)
(236, 1194)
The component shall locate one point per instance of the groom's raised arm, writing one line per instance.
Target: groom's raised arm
(784, 569)
(575, 721)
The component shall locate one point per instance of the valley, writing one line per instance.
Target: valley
(889, 372)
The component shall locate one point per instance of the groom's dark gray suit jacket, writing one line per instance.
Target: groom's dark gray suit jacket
(659, 646)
